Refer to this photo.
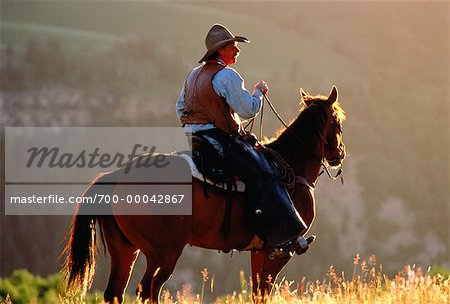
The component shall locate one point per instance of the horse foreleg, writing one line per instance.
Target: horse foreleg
(158, 272)
(265, 272)
(123, 255)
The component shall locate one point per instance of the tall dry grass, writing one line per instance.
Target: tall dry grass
(367, 284)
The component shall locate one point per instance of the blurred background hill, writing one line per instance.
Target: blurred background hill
(123, 63)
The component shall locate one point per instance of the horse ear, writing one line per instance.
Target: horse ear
(303, 93)
(333, 95)
(303, 96)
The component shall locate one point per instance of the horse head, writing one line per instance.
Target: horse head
(334, 148)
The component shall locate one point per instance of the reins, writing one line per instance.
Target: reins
(251, 122)
(339, 173)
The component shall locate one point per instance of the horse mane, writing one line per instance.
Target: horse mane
(310, 122)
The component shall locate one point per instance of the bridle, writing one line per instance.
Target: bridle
(326, 167)
(337, 130)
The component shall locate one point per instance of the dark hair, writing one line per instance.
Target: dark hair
(213, 56)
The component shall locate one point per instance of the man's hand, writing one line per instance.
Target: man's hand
(262, 86)
(250, 138)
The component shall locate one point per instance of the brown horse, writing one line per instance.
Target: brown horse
(313, 137)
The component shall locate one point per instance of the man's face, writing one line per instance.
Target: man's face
(229, 53)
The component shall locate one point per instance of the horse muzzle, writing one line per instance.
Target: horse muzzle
(339, 158)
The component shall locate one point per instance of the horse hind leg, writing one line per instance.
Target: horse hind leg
(123, 255)
(159, 270)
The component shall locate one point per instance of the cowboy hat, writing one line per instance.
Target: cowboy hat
(218, 37)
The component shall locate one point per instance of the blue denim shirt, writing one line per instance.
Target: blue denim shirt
(227, 83)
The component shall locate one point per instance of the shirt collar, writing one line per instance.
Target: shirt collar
(219, 61)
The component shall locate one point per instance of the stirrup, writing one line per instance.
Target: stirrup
(297, 246)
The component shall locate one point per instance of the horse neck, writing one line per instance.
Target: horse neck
(303, 156)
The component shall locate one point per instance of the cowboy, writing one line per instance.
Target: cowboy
(210, 105)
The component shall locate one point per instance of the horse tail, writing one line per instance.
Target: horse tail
(81, 248)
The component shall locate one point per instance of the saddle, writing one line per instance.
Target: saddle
(210, 167)
(238, 185)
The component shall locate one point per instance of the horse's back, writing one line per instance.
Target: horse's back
(203, 227)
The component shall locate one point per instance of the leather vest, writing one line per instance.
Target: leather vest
(203, 105)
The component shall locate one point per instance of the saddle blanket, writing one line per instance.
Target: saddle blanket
(240, 185)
